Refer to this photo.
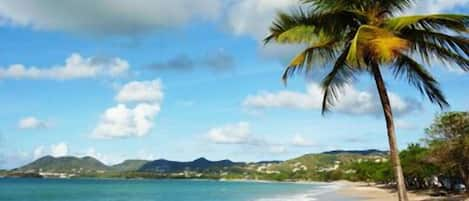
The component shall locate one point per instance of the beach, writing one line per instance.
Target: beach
(371, 192)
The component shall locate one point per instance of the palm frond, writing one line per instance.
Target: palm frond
(420, 78)
(384, 5)
(452, 22)
(432, 51)
(446, 55)
(454, 43)
(300, 26)
(319, 53)
(299, 35)
(394, 5)
(340, 75)
(372, 41)
(289, 23)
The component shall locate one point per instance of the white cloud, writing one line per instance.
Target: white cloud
(121, 121)
(241, 14)
(300, 141)
(32, 123)
(240, 22)
(105, 158)
(239, 133)
(75, 67)
(126, 121)
(104, 17)
(146, 91)
(55, 150)
(352, 101)
(437, 6)
(60, 149)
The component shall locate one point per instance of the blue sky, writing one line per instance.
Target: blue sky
(180, 80)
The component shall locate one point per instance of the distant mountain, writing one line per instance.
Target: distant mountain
(82, 166)
(359, 152)
(64, 164)
(129, 165)
(268, 162)
(200, 164)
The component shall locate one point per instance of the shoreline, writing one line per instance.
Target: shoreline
(336, 191)
(372, 192)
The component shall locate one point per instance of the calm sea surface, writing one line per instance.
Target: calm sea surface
(154, 190)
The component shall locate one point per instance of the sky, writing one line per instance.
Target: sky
(182, 79)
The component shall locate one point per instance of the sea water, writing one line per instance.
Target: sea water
(156, 190)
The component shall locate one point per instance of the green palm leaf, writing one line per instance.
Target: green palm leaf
(340, 75)
(320, 53)
(429, 22)
(420, 78)
(454, 43)
(301, 27)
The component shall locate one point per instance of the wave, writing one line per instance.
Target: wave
(310, 195)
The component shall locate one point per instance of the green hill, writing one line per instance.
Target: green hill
(319, 167)
(129, 165)
(67, 164)
(316, 166)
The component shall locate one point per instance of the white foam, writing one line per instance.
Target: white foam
(310, 195)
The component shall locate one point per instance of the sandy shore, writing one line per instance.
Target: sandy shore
(367, 192)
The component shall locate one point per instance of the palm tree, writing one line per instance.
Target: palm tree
(355, 36)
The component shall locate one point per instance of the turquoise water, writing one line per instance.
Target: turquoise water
(154, 190)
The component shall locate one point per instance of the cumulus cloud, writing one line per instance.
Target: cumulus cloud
(32, 123)
(144, 91)
(105, 158)
(121, 121)
(239, 20)
(218, 61)
(103, 17)
(437, 6)
(239, 133)
(125, 121)
(75, 67)
(300, 141)
(60, 149)
(241, 14)
(55, 150)
(352, 101)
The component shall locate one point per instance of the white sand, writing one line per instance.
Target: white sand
(377, 193)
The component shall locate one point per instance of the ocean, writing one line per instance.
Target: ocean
(158, 190)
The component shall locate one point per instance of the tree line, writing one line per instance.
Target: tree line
(441, 160)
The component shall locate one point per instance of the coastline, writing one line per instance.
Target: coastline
(364, 191)
(330, 191)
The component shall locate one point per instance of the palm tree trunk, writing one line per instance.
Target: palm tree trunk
(465, 176)
(394, 152)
